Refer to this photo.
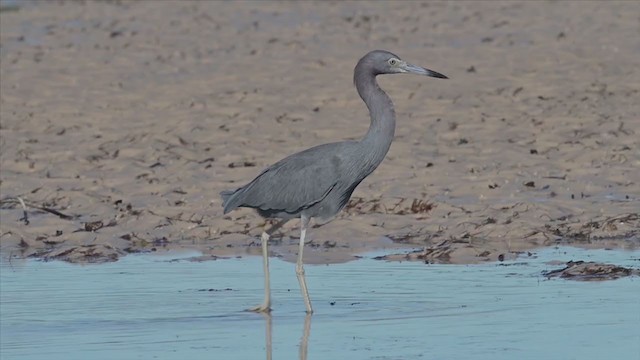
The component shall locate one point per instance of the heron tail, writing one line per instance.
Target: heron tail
(227, 200)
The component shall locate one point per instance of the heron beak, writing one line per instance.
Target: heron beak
(413, 69)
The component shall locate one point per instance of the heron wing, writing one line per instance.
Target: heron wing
(293, 183)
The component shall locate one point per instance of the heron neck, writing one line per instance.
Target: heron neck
(383, 119)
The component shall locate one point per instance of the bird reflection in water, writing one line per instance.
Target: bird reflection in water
(304, 340)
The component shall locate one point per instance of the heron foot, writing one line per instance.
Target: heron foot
(262, 308)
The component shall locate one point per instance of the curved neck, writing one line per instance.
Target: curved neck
(383, 118)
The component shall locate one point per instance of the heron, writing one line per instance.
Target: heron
(318, 182)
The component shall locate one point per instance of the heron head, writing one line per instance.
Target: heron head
(384, 62)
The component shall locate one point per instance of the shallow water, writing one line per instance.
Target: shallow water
(164, 307)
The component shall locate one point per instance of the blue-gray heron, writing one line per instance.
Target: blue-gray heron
(318, 182)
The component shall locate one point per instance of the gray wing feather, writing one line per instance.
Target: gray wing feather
(292, 184)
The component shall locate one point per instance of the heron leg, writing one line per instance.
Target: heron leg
(304, 222)
(268, 338)
(264, 239)
(304, 342)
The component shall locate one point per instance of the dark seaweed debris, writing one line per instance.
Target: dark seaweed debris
(591, 271)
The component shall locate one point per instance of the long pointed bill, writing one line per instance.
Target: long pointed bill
(422, 71)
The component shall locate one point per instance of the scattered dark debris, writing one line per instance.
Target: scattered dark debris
(563, 177)
(489, 220)
(406, 237)
(360, 206)
(11, 202)
(99, 253)
(608, 229)
(201, 258)
(131, 250)
(216, 290)
(286, 116)
(517, 91)
(591, 271)
(162, 241)
(610, 223)
(207, 160)
(93, 226)
(435, 254)
(521, 263)
(148, 177)
(241, 164)
(50, 241)
(484, 253)
(193, 218)
(357, 204)
(411, 256)
(329, 244)
(419, 206)
(128, 208)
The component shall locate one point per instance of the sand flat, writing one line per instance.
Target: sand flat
(130, 117)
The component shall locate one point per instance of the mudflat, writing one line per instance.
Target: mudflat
(122, 121)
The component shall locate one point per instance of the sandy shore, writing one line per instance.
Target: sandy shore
(121, 122)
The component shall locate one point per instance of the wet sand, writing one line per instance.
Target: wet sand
(121, 121)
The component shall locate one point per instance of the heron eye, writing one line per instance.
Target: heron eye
(393, 62)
